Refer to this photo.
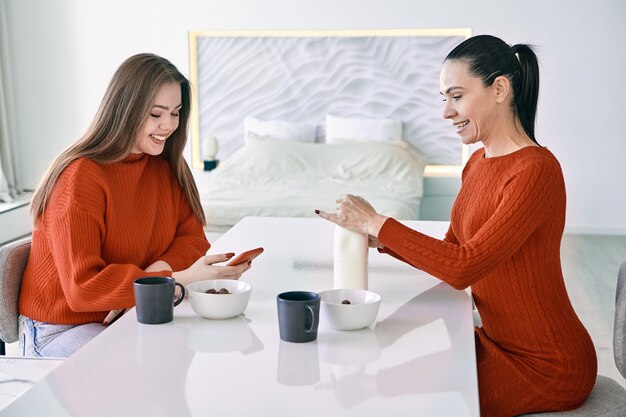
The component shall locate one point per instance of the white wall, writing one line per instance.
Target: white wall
(65, 51)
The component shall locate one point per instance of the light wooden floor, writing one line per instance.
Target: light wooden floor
(590, 264)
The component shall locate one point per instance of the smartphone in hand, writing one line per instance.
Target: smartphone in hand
(245, 257)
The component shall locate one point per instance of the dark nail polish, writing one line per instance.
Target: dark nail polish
(317, 212)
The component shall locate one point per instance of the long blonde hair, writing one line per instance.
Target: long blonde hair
(111, 135)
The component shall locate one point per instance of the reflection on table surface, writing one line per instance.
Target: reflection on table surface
(417, 359)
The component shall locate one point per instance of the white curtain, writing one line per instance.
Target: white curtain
(9, 186)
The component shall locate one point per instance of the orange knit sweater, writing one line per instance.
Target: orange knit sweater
(103, 225)
(533, 353)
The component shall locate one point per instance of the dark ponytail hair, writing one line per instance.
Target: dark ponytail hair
(489, 57)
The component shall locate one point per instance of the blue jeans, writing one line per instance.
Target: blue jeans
(39, 339)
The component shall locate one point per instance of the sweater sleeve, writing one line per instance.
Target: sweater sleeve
(190, 242)
(88, 283)
(527, 199)
(449, 237)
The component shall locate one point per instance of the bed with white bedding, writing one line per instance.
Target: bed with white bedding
(303, 117)
(292, 179)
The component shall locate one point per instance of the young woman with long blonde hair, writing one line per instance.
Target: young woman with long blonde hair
(117, 205)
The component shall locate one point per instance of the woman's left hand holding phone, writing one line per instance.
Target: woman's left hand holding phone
(202, 269)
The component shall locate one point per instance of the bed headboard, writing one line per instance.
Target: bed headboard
(304, 75)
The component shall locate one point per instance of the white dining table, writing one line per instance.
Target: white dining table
(417, 359)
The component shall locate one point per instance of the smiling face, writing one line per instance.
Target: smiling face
(468, 103)
(161, 121)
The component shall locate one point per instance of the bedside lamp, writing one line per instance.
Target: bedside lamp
(209, 152)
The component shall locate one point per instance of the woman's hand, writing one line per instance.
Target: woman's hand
(158, 266)
(203, 269)
(373, 242)
(356, 214)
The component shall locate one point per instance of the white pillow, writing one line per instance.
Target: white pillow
(254, 137)
(348, 129)
(279, 130)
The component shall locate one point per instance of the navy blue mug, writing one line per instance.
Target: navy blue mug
(154, 299)
(298, 316)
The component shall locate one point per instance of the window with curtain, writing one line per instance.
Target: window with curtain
(9, 186)
(4, 188)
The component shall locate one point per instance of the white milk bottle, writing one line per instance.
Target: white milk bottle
(350, 259)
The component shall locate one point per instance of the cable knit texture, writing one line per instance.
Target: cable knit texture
(104, 224)
(533, 353)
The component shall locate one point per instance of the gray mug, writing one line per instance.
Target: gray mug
(154, 299)
(298, 316)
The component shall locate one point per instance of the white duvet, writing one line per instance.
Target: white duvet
(290, 179)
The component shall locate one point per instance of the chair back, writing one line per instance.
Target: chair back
(619, 330)
(13, 260)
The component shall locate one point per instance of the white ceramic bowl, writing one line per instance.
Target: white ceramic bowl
(360, 313)
(219, 306)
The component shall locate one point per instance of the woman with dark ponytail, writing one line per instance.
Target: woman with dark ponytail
(533, 353)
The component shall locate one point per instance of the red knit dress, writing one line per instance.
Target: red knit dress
(533, 353)
(103, 225)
